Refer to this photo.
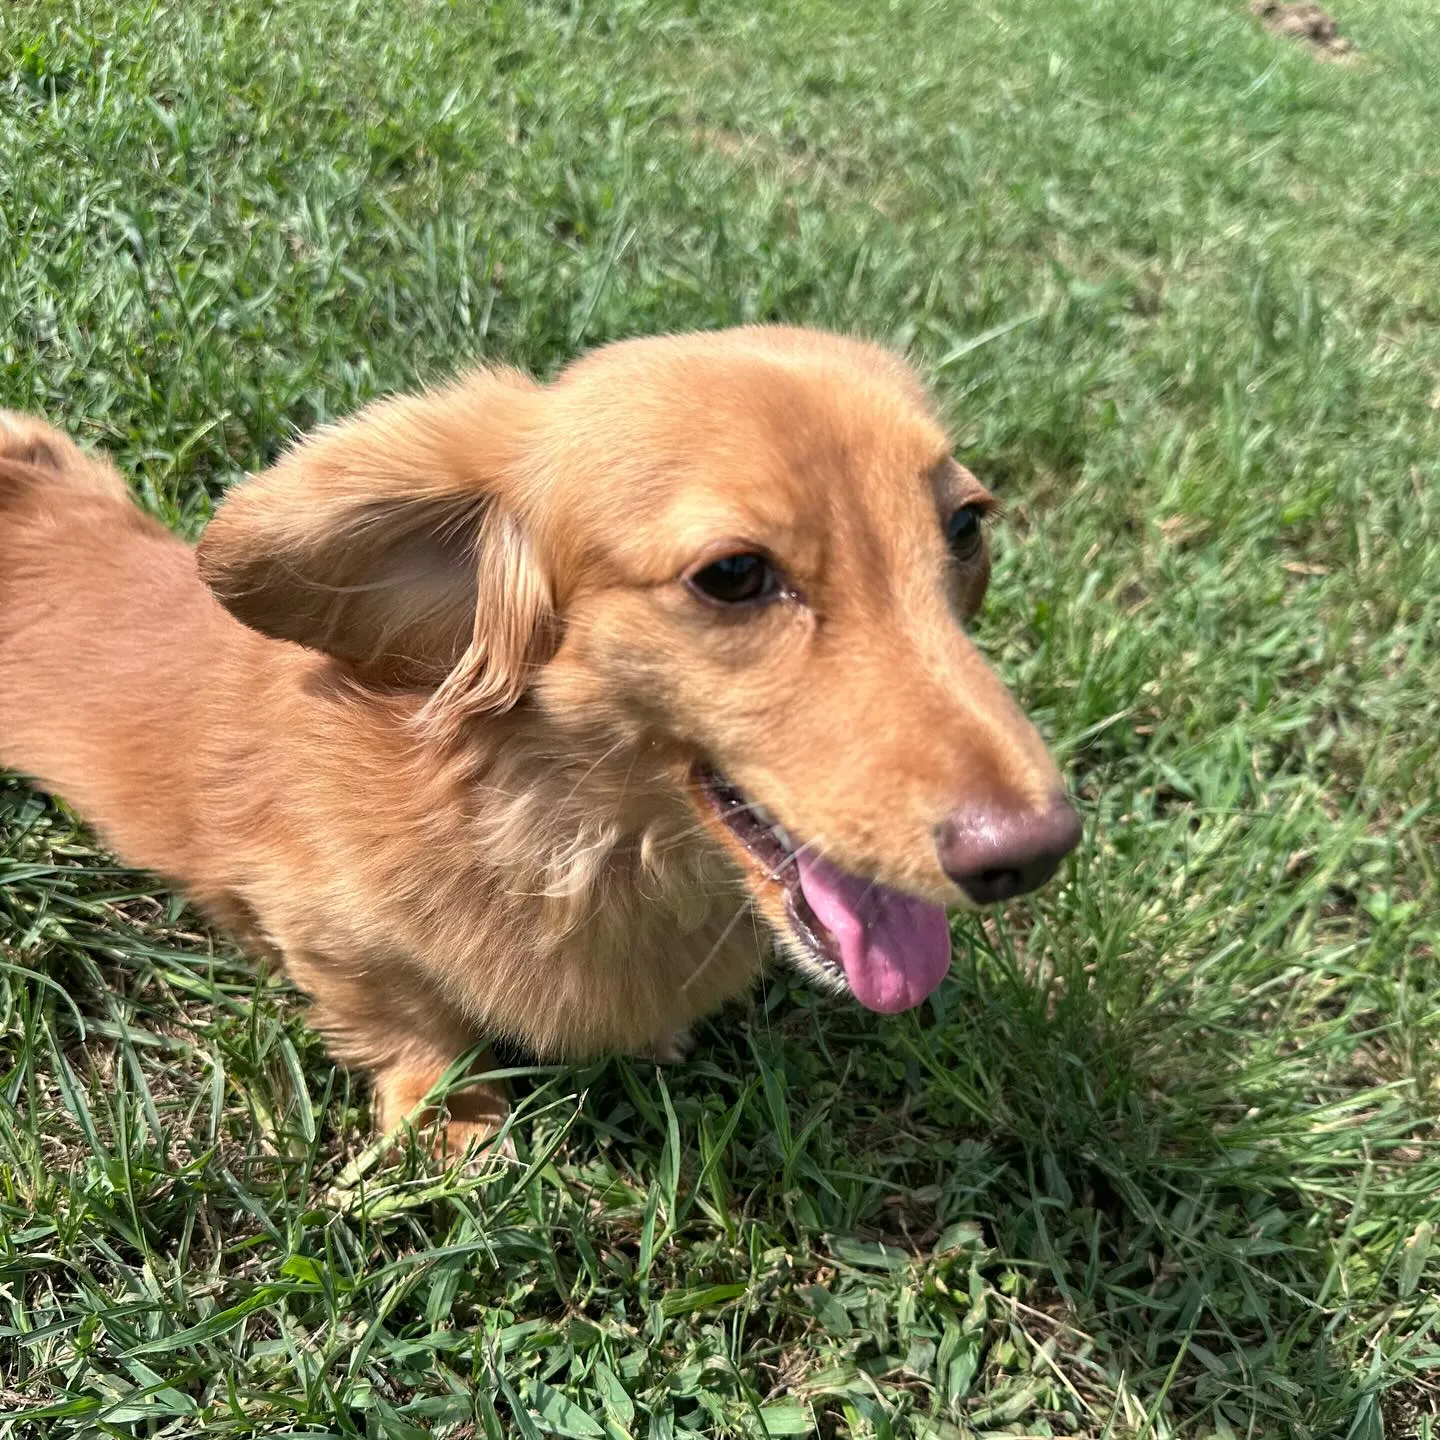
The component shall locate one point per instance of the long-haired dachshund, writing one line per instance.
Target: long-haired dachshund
(501, 710)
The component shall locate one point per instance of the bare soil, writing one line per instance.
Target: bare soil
(1306, 23)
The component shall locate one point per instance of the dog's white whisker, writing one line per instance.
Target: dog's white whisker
(715, 949)
(594, 766)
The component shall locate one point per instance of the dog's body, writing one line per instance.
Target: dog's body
(483, 794)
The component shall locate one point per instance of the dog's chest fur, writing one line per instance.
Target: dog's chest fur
(554, 892)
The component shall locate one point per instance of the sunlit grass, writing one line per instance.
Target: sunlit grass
(1160, 1158)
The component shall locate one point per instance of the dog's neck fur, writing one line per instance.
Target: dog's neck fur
(574, 901)
(593, 841)
(568, 818)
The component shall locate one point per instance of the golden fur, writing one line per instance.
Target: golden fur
(423, 722)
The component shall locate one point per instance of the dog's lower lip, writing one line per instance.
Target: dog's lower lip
(806, 925)
(753, 828)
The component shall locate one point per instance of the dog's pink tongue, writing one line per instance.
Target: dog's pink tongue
(895, 950)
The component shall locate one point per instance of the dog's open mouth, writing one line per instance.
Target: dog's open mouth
(889, 949)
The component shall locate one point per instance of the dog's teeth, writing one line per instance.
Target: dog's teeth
(762, 814)
(783, 836)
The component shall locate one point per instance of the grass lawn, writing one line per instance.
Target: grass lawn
(1162, 1156)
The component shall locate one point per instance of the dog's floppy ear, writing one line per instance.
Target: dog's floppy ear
(390, 542)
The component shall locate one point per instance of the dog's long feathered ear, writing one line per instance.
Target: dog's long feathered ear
(391, 542)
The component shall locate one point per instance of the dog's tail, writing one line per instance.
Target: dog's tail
(104, 625)
(36, 461)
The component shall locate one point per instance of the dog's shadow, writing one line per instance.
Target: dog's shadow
(1082, 1144)
(1099, 1157)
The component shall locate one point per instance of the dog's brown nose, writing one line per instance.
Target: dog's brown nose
(993, 853)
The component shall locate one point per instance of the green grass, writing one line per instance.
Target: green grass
(1162, 1157)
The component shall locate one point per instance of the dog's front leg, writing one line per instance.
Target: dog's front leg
(471, 1115)
(395, 1029)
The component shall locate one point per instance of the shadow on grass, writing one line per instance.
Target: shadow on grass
(1171, 1209)
(1082, 1183)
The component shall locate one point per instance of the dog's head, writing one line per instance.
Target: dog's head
(749, 553)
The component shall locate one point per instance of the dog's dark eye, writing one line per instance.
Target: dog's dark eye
(963, 533)
(737, 580)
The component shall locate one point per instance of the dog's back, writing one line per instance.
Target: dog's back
(105, 635)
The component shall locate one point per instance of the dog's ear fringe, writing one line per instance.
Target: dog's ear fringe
(515, 633)
(388, 542)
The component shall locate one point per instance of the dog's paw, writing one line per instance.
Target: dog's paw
(671, 1049)
(462, 1127)
(475, 1144)
(473, 1118)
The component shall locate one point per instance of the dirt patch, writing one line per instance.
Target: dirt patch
(1306, 23)
(793, 165)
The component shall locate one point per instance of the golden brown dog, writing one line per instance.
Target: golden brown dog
(498, 710)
